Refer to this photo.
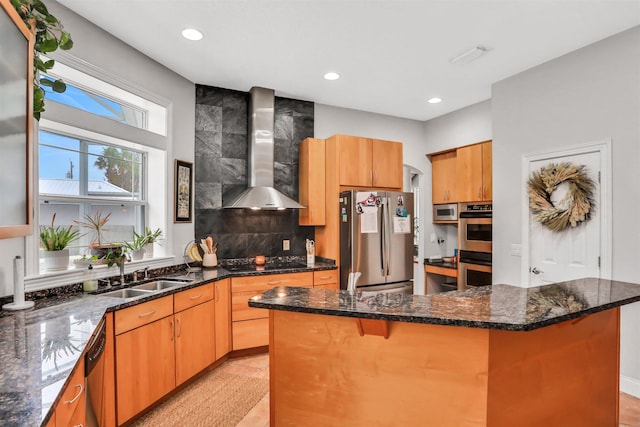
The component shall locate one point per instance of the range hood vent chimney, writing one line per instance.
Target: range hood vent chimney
(261, 194)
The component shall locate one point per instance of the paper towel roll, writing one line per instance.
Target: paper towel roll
(18, 280)
(18, 287)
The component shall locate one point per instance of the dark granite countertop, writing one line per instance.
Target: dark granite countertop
(501, 307)
(39, 347)
(443, 264)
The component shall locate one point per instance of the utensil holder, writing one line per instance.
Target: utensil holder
(209, 260)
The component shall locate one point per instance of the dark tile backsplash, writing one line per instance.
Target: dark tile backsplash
(221, 174)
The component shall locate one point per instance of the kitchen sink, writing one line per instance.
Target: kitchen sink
(158, 285)
(126, 293)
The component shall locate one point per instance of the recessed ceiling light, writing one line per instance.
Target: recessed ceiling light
(191, 34)
(434, 100)
(332, 76)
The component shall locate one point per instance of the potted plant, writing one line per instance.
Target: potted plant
(137, 246)
(96, 223)
(49, 35)
(151, 237)
(54, 240)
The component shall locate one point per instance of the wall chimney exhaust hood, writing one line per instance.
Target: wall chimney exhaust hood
(261, 194)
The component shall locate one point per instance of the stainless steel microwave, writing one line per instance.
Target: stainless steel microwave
(445, 212)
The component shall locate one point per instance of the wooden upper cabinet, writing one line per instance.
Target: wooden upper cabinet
(443, 178)
(387, 164)
(355, 159)
(311, 182)
(474, 172)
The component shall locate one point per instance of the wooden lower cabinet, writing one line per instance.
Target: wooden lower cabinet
(326, 279)
(194, 332)
(70, 411)
(250, 333)
(222, 299)
(250, 326)
(145, 366)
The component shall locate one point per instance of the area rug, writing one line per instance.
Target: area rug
(216, 399)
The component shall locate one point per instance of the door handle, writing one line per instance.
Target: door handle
(535, 270)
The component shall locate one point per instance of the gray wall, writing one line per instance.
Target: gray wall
(110, 55)
(221, 174)
(587, 95)
(333, 120)
(463, 127)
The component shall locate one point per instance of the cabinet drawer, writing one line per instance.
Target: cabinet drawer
(250, 333)
(325, 277)
(263, 283)
(141, 314)
(333, 286)
(191, 297)
(240, 309)
(71, 405)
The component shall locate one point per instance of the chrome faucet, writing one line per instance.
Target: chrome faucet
(123, 259)
(146, 273)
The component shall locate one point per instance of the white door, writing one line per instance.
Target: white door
(574, 252)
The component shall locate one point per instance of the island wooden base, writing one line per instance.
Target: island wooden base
(324, 373)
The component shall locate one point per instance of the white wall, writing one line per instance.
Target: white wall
(103, 51)
(587, 95)
(462, 127)
(333, 120)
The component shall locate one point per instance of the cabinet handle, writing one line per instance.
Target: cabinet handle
(275, 282)
(371, 176)
(195, 296)
(148, 313)
(479, 191)
(77, 396)
(217, 296)
(178, 328)
(173, 331)
(324, 277)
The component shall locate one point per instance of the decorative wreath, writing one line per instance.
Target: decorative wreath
(574, 208)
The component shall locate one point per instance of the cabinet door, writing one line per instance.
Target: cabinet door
(311, 182)
(145, 366)
(470, 173)
(487, 172)
(222, 298)
(70, 410)
(250, 333)
(195, 340)
(354, 157)
(443, 178)
(387, 164)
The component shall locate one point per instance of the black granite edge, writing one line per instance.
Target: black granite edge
(407, 318)
(451, 265)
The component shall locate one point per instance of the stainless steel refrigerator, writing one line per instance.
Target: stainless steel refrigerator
(376, 239)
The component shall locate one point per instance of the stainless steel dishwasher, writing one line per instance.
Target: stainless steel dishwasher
(94, 378)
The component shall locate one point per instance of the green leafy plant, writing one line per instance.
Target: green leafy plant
(49, 36)
(56, 238)
(138, 242)
(152, 236)
(113, 256)
(95, 223)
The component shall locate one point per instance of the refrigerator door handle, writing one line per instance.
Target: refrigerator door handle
(384, 238)
(387, 232)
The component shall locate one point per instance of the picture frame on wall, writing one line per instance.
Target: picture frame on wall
(183, 191)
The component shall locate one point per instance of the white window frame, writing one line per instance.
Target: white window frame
(59, 118)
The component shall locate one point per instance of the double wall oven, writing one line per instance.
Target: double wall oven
(474, 266)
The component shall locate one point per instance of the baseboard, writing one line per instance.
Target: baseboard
(630, 386)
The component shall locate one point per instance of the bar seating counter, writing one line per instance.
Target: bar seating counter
(488, 356)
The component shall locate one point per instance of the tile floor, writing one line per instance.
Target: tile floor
(258, 366)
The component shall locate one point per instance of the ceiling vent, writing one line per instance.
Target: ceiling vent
(470, 55)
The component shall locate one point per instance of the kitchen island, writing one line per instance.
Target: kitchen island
(488, 356)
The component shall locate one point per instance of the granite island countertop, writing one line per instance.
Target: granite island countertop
(39, 347)
(502, 307)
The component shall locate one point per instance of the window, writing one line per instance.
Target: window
(82, 171)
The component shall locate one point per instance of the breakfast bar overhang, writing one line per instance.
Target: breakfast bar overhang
(491, 356)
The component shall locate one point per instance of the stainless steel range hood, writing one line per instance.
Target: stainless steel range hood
(261, 194)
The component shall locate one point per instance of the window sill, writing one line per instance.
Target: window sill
(54, 279)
